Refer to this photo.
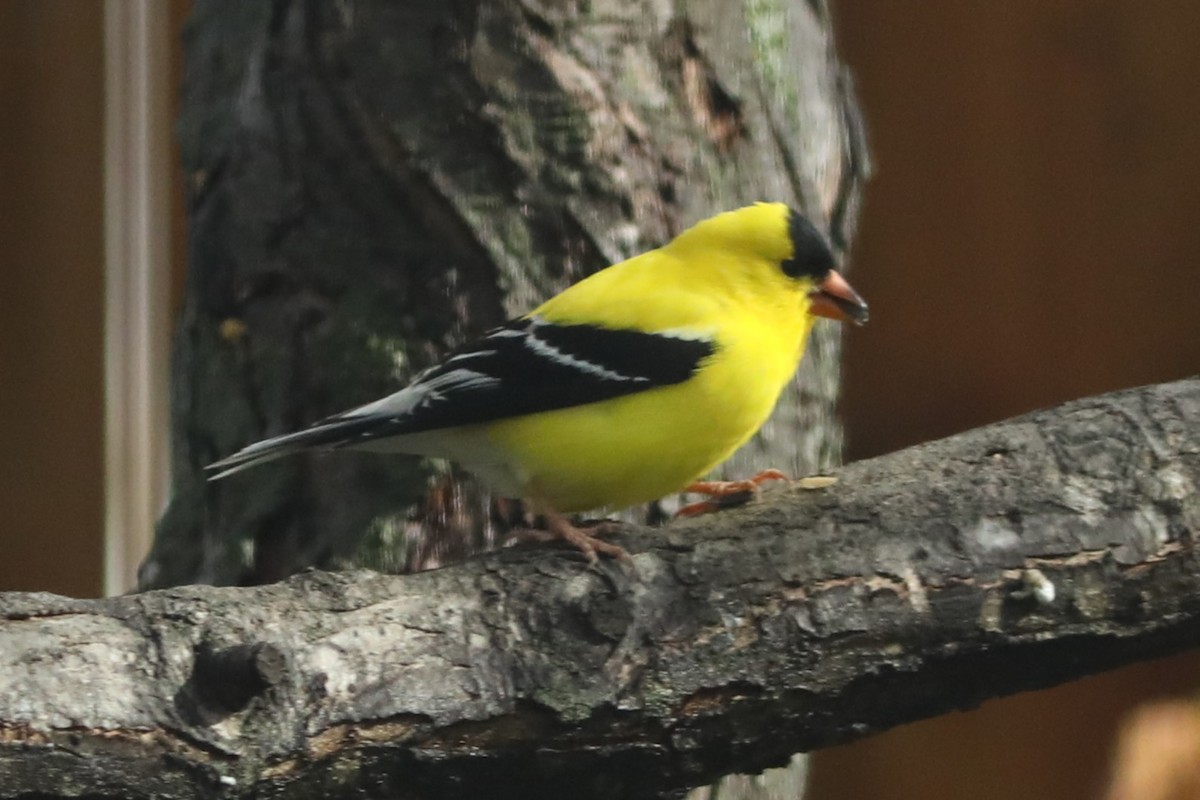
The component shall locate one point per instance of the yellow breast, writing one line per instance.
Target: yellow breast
(722, 280)
(643, 446)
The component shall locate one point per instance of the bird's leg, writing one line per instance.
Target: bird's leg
(726, 488)
(558, 526)
(563, 528)
(725, 494)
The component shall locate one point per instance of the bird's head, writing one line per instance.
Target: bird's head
(778, 251)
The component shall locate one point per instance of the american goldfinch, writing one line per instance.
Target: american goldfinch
(627, 386)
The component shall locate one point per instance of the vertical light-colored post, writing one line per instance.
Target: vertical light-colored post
(137, 268)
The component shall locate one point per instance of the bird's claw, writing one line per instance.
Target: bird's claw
(726, 488)
(718, 503)
(590, 544)
(727, 494)
(586, 539)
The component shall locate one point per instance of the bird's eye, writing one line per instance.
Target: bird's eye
(812, 256)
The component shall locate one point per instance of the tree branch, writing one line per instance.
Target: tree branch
(1007, 558)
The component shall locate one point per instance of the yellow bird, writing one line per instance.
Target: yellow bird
(627, 386)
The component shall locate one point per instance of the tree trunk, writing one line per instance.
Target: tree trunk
(1008, 558)
(372, 182)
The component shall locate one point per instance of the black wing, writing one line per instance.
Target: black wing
(526, 366)
(530, 365)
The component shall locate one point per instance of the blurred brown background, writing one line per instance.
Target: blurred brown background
(51, 295)
(1029, 237)
(52, 283)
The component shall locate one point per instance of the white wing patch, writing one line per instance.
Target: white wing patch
(424, 394)
(462, 379)
(689, 334)
(546, 350)
(474, 354)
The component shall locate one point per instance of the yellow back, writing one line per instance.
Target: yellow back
(732, 259)
(721, 279)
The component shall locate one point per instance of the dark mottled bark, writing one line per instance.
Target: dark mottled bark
(371, 182)
(1008, 558)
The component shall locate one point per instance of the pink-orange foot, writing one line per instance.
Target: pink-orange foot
(725, 494)
(586, 539)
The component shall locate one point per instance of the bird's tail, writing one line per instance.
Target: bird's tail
(330, 433)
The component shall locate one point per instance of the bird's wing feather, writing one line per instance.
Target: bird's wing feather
(531, 365)
(525, 367)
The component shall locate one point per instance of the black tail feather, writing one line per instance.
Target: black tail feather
(331, 433)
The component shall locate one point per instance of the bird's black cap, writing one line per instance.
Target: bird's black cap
(812, 257)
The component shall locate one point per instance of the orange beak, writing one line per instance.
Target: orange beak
(835, 299)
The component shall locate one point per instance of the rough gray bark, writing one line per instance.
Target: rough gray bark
(1008, 558)
(372, 182)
